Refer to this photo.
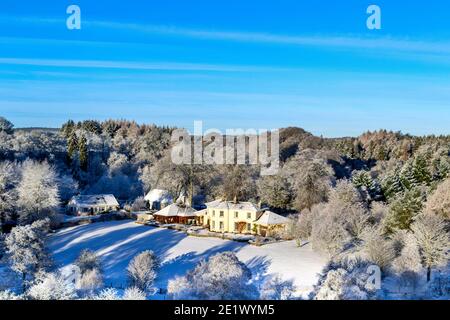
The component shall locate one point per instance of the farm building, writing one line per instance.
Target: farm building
(158, 199)
(176, 213)
(270, 223)
(92, 204)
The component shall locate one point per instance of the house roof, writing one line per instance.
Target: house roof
(201, 212)
(94, 200)
(175, 210)
(271, 218)
(230, 205)
(160, 195)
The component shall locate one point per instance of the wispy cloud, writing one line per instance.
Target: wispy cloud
(344, 41)
(387, 43)
(161, 66)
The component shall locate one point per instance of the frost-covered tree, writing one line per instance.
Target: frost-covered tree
(52, 286)
(404, 209)
(407, 265)
(134, 294)
(108, 294)
(433, 240)
(83, 153)
(8, 181)
(376, 248)
(409, 259)
(142, 270)
(275, 191)
(238, 183)
(221, 277)
(37, 191)
(342, 219)
(67, 187)
(88, 261)
(90, 281)
(392, 184)
(10, 296)
(299, 226)
(6, 126)
(26, 251)
(346, 279)
(328, 234)
(72, 146)
(364, 181)
(438, 202)
(311, 183)
(274, 288)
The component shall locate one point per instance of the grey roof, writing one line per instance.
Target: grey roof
(230, 205)
(271, 218)
(175, 210)
(94, 200)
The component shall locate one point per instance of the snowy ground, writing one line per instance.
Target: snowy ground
(117, 242)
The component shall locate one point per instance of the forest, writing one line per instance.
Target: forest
(380, 198)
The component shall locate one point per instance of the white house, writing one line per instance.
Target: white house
(158, 199)
(92, 204)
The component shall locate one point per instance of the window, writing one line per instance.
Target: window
(249, 227)
(236, 226)
(221, 214)
(236, 214)
(221, 225)
(249, 215)
(213, 213)
(213, 225)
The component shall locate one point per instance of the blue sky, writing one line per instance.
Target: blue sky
(232, 64)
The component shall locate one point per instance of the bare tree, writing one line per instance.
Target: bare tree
(439, 201)
(37, 191)
(433, 240)
(142, 270)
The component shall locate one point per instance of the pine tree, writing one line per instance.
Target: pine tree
(420, 170)
(84, 153)
(363, 179)
(408, 177)
(404, 209)
(72, 146)
(68, 128)
(392, 185)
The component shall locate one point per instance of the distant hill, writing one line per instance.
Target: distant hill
(29, 129)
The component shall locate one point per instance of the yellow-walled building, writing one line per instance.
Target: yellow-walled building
(228, 216)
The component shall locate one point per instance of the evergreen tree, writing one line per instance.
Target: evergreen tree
(84, 153)
(363, 180)
(404, 209)
(68, 128)
(72, 146)
(392, 185)
(408, 177)
(420, 170)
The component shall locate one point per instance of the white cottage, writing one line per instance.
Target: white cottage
(92, 204)
(158, 199)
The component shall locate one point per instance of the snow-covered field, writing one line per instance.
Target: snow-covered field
(117, 242)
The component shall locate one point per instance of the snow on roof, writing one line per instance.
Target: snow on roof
(175, 210)
(95, 200)
(271, 218)
(201, 212)
(160, 195)
(230, 205)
